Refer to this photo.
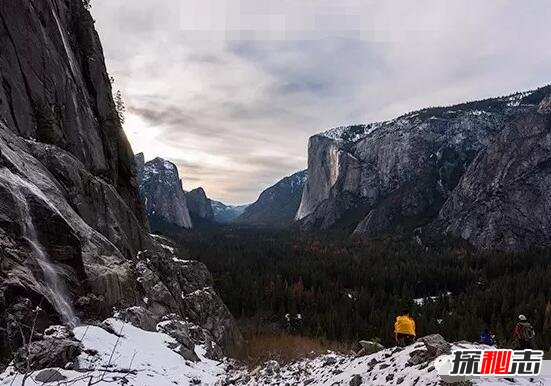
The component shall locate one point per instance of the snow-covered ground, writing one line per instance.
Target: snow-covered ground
(138, 357)
(127, 355)
(387, 367)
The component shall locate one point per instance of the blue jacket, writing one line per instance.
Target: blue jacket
(486, 338)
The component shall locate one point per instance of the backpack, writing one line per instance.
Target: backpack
(527, 332)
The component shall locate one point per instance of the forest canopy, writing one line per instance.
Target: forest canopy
(348, 289)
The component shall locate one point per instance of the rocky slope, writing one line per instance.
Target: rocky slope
(162, 193)
(476, 170)
(74, 239)
(415, 365)
(119, 352)
(199, 205)
(277, 205)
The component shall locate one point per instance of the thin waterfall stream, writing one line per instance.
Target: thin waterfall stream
(53, 287)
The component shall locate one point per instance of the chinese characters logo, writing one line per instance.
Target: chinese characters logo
(496, 362)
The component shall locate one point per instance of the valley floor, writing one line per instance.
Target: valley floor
(122, 354)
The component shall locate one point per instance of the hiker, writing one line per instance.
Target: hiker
(487, 338)
(404, 329)
(523, 334)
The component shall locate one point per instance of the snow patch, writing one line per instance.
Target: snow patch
(137, 357)
(423, 301)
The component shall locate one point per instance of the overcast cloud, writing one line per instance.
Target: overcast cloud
(231, 90)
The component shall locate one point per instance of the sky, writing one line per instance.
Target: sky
(231, 90)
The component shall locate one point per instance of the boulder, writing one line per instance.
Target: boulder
(138, 317)
(436, 345)
(368, 347)
(58, 332)
(47, 353)
(419, 356)
(49, 376)
(178, 330)
(356, 380)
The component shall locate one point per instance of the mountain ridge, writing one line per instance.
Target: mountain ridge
(372, 178)
(276, 206)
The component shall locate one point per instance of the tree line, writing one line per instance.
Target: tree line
(348, 289)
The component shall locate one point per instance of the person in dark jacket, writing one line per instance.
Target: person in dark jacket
(523, 334)
(487, 338)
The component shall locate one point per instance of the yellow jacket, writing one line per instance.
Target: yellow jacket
(404, 325)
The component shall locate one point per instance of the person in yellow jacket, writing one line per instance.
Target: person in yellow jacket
(404, 329)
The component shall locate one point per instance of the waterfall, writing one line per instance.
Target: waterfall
(53, 288)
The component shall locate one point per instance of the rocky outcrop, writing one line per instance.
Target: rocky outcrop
(412, 170)
(199, 205)
(71, 219)
(162, 193)
(51, 352)
(184, 287)
(277, 205)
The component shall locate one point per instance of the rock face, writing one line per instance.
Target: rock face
(502, 200)
(199, 205)
(184, 287)
(277, 205)
(71, 219)
(67, 175)
(162, 193)
(423, 168)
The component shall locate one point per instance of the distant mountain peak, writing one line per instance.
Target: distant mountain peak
(199, 205)
(162, 193)
(277, 205)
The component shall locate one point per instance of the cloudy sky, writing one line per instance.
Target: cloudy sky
(231, 90)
